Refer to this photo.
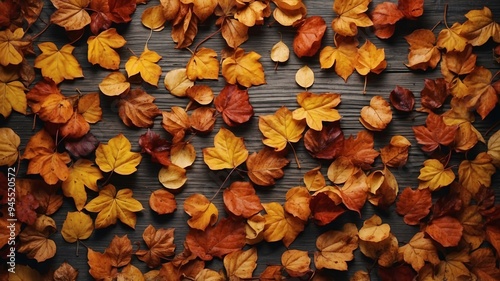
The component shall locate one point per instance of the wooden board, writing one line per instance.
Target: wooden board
(280, 90)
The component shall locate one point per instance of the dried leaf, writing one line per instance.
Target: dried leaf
(240, 199)
(414, 205)
(160, 243)
(82, 173)
(203, 65)
(343, 56)
(58, 64)
(434, 175)
(77, 226)
(280, 129)
(35, 242)
(240, 264)
(316, 108)
(117, 157)
(446, 230)
(234, 105)
(229, 151)
(172, 176)
(395, 154)
(136, 108)
(203, 212)
(9, 147)
(162, 202)
(265, 166)
(102, 48)
(351, 14)
(423, 53)
(377, 116)
(418, 251)
(280, 225)
(336, 248)
(145, 65)
(308, 37)
(402, 99)
(114, 84)
(296, 263)
(243, 68)
(325, 144)
(177, 82)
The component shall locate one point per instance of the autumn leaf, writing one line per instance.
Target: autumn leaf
(373, 230)
(434, 175)
(316, 108)
(308, 36)
(58, 64)
(203, 65)
(35, 242)
(176, 122)
(47, 101)
(280, 129)
(335, 248)
(434, 93)
(483, 264)
(384, 252)
(326, 207)
(280, 225)
(240, 199)
(304, 77)
(154, 18)
(77, 226)
(476, 173)
(203, 212)
(119, 251)
(243, 68)
(376, 116)
(225, 237)
(296, 262)
(287, 13)
(156, 146)
(101, 49)
(325, 144)
(344, 56)
(297, 202)
(434, 133)
(229, 151)
(114, 84)
(65, 272)
(201, 94)
(396, 153)
(183, 154)
(384, 17)
(117, 157)
(370, 59)
(12, 96)
(162, 202)
(71, 14)
(482, 96)
(402, 99)
(185, 26)
(453, 266)
(280, 52)
(11, 46)
(494, 148)
(423, 53)
(446, 230)
(49, 164)
(252, 13)
(350, 15)
(265, 166)
(414, 205)
(480, 26)
(136, 108)
(9, 147)
(112, 205)
(314, 179)
(359, 150)
(234, 105)
(354, 192)
(240, 264)
(82, 173)
(160, 243)
(419, 250)
(145, 65)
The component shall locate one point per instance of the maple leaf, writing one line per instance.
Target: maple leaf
(476, 173)
(111, 205)
(82, 173)
(100, 265)
(483, 96)
(316, 108)
(136, 108)
(145, 65)
(240, 199)
(325, 144)
(117, 157)
(203, 64)
(243, 68)
(296, 262)
(50, 165)
(280, 129)
(229, 151)
(162, 202)
(234, 105)
(419, 250)
(71, 14)
(423, 53)
(351, 14)
(265, 166)
(457, 63)
(359, 150)
(77, 226)
(434, 133)
(336, 248)
(280, 225)
(225, 237)
(240, 264)
(370, 59)
(449, 38)
(203, 212)
(414, 205)
(65, 272)
(12, 90)
(384, 17)
(58, 64)
(297, 202)
(480, 26)
(160, 243)
(119, 251)
(308, 36)
(434, 175)
(35, 242)
(46, 100)
(101, 49)
(9, 147)
(376, 116)
(11, 46)
(343, 56)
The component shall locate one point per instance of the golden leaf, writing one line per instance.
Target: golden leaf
(12, 96)
(296, 262)
(434, 176)
(203, 212)
(280, 225)
(177, 82)
(304, 77)
(35, 242)
(101, 49)
(351, 14)
(11, 44)
(58, 64)
(82, 173)
(240, 264)
(336, 248)
(418, 251)
(229, 151)
(476, 173)
(117, 157)
(280, 129)
(203, 65)
(244, 69)
(145, 65)
(9, 147)
(114, 84)
(71, 14)
(172, 176)
(77, 226)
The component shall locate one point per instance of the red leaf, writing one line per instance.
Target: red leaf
(414, 205)
(434, 93)
(323, 209)
(402, 99)
(83, 146)
(234, 105)
(121, 10)
(156, 146)
(360, 150)
(26, 209)
(325, 144)
(434, 133)
(99, 19)
(412, 9)
(447, 231)
(493, 236)
(397, 273)
(307, 40)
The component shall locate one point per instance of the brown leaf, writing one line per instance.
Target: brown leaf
(185, 26)
(402, 99)
(160, 243)
(240, 199)
(336, 248)
(397, 273)
(446, 230)
(309, 34)
(323, 209)
(65, 272)
(384, 17)
(419, 250)
(119, 251)
(203, 119)
(297, 202)
(423, 53)
(360, 150)
(412, 9)
(240, 264)
(34, 239)
(156, 146)
(234, 105)
(296, 262)
(434, 133)
(483, 264)
(265, 166)
(414, 205)
(395, 154)
(434, 93)
(136, 109)
(325, 144)
(376, 116)
(176, 122)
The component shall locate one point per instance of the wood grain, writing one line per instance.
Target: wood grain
(280, 90)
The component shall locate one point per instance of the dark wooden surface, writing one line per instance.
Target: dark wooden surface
(279, 90)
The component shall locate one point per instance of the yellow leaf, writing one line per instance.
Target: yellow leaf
(117, 157)
(423, 54)
(280, 129)
(344, 56)
(450, 38)
(494, 148)
(480, 26)
(341, 170)
(314, 180)
(203, 212)
(24, 273)
(229, 151)
(208, 275)
(370, 59)
(418, 251)
(58, 64)
(280, 52)
(203, 65)
(177, 82)
(111, 205)
(172, 176)
(351, 14)
(11, 44)
(35, 242)
(434, 176)
(114, 84)
(252, 13)
(71, 14)
(316, 108)
(81, 174)
(240, 264)
(101, 49)
(182, 154)
(254, 228)
(296, 262)
(12, 90)
(154, 18)
(476, 173)
(453, 267)
(9, 144)
(374, 230)
(288, 12)
(77, 226)
(304, 77)
(297, 202)
(336, 248)
(244, 69)
(280, 225)
(130, 273)
(89, 107)
(146, 66)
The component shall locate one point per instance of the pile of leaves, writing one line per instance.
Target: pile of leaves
(453, 209)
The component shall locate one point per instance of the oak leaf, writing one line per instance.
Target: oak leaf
(335, 248)
(11, 46)
(265, 166)
(446, 230)
(136, 108)
(9, 147)
(203, 64)
(280, 129)
(82, 173)
(240, 199)
(316, 108)
(325, 144)
(229, 151)
(101, 49)
(172, 176)
(35, 242)
(414, 205)
(58, 64)
(419, 250)
(343, 56)
(112, 205)
(434, 133)
(423, 53)
(145, 65)
(476, 173)
(350, 15)
(114, 84)
(297, 202)
(203, 212)
(308, 36)
(117, 157)
(296, 262)
(377, 115)
(240, 264)
(243, 68)
(162, 202)
(434, 175)
(395, 154)
(12, 92)
(234, 105)
(480, 26)
(281, 225)
(77, 226)
(160, 243)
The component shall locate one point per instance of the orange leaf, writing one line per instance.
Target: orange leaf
(296, 263)
(160, 243)
(344, 56)
(446, 230)
(34, 239)
(414, 205)
(145, 65)
(265, 166)
(370, 59)
(316, 108)
(434, 133)
(280, 129)
(308, 37)
(176, 122)
(377, 116)
(241, 264)
(281, 225)
(297, 202)
(418, 251)
(162, 202)
(203, 212)
(335, 248)
(71, 14)
(136, 108)
(360, 150)
(395, 154)
(385, 16)
(423, 53)
(234, 105)
(325, 144)
(203, 65)
(119, 251)
(480, 26)
(240, 199)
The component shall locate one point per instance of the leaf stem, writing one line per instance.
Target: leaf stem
(436, 25)
(208, 37)
(445, 15)
(149, 37)
(222, 185)
(107, 180)
(364, 87)
(295, 155)
(41, 32)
